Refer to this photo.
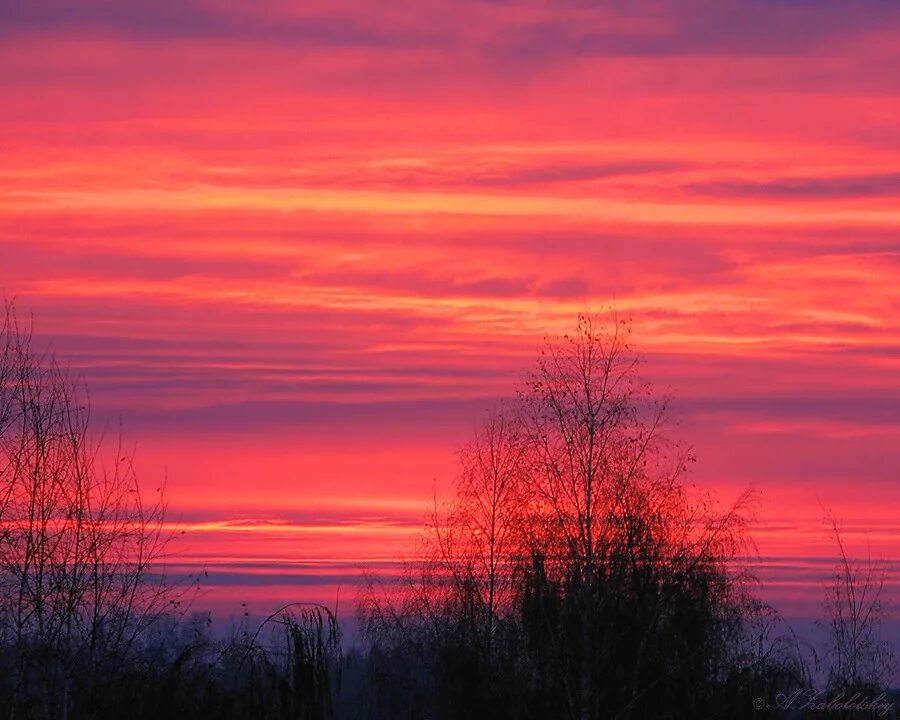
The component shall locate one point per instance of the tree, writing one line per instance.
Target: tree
(80, 547)
(488, 517)
(575, 571)
(860, 657)
(629, 573)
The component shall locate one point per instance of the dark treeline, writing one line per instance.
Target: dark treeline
(575, 575)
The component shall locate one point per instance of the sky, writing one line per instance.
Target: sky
(298, 250)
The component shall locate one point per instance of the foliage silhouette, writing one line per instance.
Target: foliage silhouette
(575, 575)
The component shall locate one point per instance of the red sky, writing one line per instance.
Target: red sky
(300, 250)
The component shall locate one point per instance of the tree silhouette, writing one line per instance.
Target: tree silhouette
(859, 656)
(575, 575)
(79, 541)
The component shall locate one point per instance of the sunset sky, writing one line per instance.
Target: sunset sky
(300, 249)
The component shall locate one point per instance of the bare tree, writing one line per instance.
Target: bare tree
(859, 656)
(603, 586)
(80, 547)
(488, 511)
(614, 524)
